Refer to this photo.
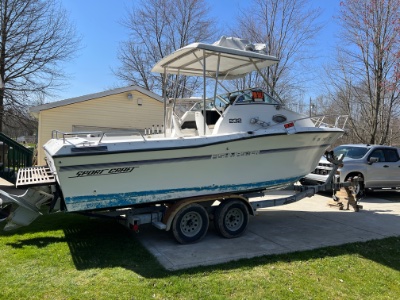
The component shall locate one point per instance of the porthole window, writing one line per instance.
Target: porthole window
(279, 118)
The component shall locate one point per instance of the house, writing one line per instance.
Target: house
(127, 108)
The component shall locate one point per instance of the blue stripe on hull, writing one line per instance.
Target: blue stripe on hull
(90, 202)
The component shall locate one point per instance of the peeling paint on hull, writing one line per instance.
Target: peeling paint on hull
(126, 199)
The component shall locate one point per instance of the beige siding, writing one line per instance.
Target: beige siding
(114, 111)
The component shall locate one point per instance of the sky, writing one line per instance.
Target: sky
(98, 24)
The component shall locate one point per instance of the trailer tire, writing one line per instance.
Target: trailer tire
(190, 224)
(231, 218)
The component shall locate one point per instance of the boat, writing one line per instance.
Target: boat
(229, 142)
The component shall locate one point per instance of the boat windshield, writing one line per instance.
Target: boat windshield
(198, 106)
(254, 95)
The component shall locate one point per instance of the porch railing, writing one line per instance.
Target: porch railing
(13, 156)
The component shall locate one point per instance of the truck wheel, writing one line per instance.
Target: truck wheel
(231, 218)
(190, 224)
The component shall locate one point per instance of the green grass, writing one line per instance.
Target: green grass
(73, 257)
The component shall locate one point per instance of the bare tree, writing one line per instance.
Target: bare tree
(366, 77)
(35, 38)
(288, 28)
(19, 123)
(157, 28)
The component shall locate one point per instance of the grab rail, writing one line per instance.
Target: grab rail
(55, 134)
(116, 133)
(317, 120)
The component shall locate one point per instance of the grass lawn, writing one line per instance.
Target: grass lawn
(73, 257)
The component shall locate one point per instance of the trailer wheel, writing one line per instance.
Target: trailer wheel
(231, 218)
(190, 224)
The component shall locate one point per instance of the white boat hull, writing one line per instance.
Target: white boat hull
(216, 165)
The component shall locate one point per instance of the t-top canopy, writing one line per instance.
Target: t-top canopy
(237, 57)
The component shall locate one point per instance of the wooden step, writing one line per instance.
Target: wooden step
(34, 176)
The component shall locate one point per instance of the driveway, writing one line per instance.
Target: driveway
(307, 224)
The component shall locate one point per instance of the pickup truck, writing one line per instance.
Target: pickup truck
(377, 165)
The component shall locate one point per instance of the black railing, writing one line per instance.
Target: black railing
(13, 156)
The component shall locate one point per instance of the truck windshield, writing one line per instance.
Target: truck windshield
(351, 151)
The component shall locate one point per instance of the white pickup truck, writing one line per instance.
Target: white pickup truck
(377, 165)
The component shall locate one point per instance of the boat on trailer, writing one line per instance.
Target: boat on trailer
(226, 145)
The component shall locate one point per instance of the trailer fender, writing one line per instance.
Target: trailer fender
(245, 201)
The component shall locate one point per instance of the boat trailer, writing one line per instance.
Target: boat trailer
(188, 218)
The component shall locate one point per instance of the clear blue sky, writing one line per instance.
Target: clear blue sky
(98, 23)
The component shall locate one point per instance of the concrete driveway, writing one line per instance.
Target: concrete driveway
(307, 224)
